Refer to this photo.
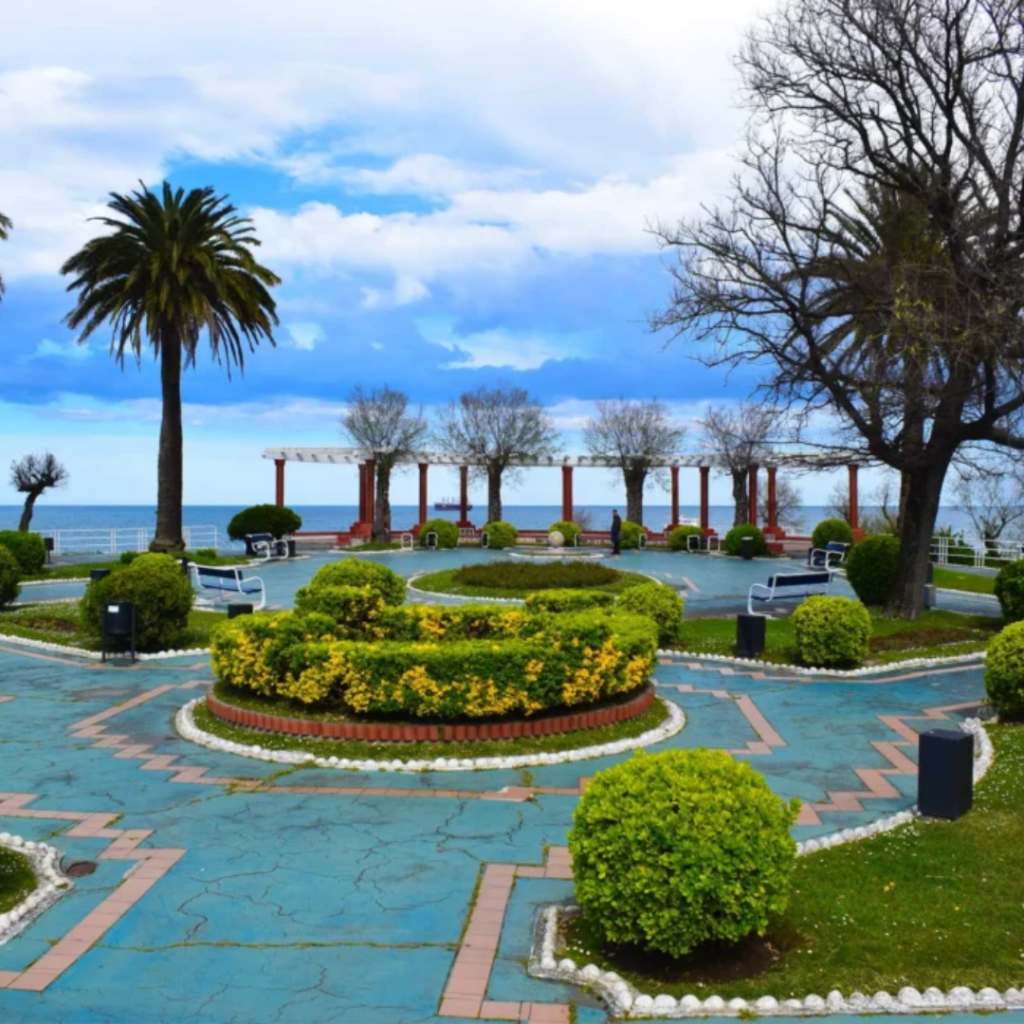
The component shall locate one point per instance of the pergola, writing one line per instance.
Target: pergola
(703, 462)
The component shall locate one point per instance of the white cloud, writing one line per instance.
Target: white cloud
(426, 174)
(498, 348)
(306, 336)
(47, 349)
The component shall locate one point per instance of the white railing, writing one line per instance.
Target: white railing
(975, 551)
(126, 538)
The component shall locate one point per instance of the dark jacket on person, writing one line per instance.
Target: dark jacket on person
(616, 528)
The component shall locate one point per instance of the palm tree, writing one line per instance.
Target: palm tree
(172, 267)
(5, 230)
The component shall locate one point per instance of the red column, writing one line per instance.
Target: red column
(371, 467)
(464, 496)
(752, 496)
(567, 494)
(674, 521)
(854, 500)
(705, 511)
(423, 492)
(279, 481)
(773, 502)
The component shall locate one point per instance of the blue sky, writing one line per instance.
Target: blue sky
(454, 193)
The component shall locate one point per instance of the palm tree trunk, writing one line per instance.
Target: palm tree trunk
(169, 467)
(26, 512)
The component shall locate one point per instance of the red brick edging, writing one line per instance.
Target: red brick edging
(385, 733)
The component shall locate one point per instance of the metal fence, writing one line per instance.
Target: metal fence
(976, 552)
(131, 538)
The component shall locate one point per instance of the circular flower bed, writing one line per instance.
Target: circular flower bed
(519, 579)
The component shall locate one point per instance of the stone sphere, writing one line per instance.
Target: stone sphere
(555, 539)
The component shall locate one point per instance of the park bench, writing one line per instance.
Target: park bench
(223, 583)
(788, 586)
(266, 546)
(832, 554)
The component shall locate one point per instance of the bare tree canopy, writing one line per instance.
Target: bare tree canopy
(497, 426)
(380, 422)
(992, 495)
(739, 437)
(635, 434)
(870, 254)
(31, 476)
(789, 504)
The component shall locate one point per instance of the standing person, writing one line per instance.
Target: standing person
(616, 531)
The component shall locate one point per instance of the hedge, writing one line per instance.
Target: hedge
(538, 575)
(831, 631)
(1009, 588)
(272, 519)
(1004, 672)
(679, 538)
(354, 572)
(630, 535)
(29, 550)
(659, 603)
(500, 535)
(681, 848)
(831, 530)
(162, 595)
(568, 600)
(354, 611)
(572, 532)
(447, 533)
(10, 574)
(733, 542)
(871, 568)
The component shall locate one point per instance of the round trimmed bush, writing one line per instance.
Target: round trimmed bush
(10, 574)
(629, 536)
(832, 631)
(657, 602)
(679, 538)
(568, 600)
(1009, 588)
(273, 519)
(29, 550)
(355, 572)
(871, 568)
(570, 531)
(831, 530)
(161, 593)
(1004, 673)
(354, 609)
(681, 848)
(734, 540)
(500, 535)
(447, 533)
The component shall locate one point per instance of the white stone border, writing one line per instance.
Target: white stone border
(51, 884)
(624, 1000)
(79, 652)
(54, 583)
(187, 728)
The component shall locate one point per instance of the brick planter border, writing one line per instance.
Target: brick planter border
(385, 732)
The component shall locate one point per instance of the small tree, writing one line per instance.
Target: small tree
(992, 497)
(634, 435)
(789, 504)
(738, 438)
(32, 476)
(496, 428)
(379, 422)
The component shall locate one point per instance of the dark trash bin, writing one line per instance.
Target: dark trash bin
(48, 541)
(239, 608)
(293, 548)
(750, 635)
(945, 774)
(747, 548)
(118, 628)
(98, 574)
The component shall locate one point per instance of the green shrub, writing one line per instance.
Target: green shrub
(447, 533)
(629, 537)
(29, 550)
(831, 530)
(1004, 673)
(10, 574)
(356, 572)
(569, 530)
(734, 540)
(871, 568)
(161, 593)
(206, 555)
(832, 631)
(127, 557)
(658, 602)
(540, 575)
(501, 535)
(1009, 588)
(354, 610)
(568, 600)
(681, 848)
(679, 538)
(273, 519)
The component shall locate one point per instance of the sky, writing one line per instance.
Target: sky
(454, 194)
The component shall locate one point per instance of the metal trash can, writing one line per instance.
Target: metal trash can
(747, 548)
(118, 627)
(945, 774)
(98, 574)
(48, 541)
(239, 608)
(750, 635)
(293, 548)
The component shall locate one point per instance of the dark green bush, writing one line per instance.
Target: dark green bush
(679, 538)
(569, 530)
(447, 533)
(1009, 588)
(356, 572)
(161, 593)
(539, 575)
(657, 602)
(832, 631)
(831, 530)
(273, 519)
(206, 555)
(630, 536)
(568, 600)
(681, 848)
(10, 574)
(734, 539)
(871, 568)
(29, 550)
(500, 535)
(1004, 673)
(127, 557)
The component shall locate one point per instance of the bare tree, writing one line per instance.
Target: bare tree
(838, 506)
(870, 254)
(992, 497)
(380, 422)
(634, 435)
(738, 438)
(32, 475)
(789, 504)
(497, 428)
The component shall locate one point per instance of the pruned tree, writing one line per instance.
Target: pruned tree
(737, 438)
(869, 257)
(32, 476)
(380, 422)
(5, 230)
(992, 496)
(789, 504)
(634, 435)
(496, 428)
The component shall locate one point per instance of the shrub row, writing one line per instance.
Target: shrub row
(29, 550)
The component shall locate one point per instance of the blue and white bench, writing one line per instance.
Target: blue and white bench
(788, 586)
(266, 546)
(224, 583)
(832, 554)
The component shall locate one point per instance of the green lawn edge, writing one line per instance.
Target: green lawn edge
(17, 879)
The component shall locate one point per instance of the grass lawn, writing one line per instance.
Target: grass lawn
(972, 582)
(17, 880)
(936, 634)
(81, 570)
(59, 624)
(445, 583)
(933, 903)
